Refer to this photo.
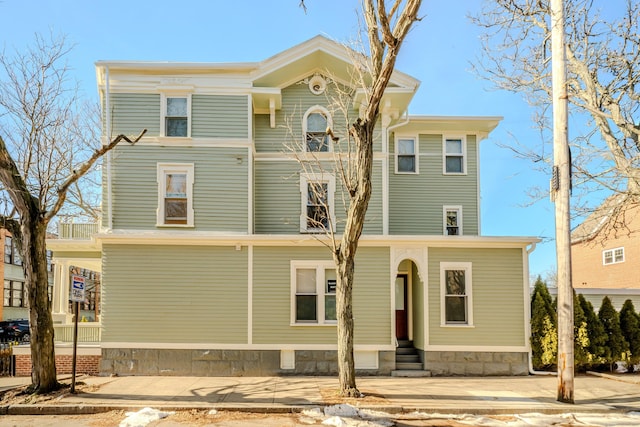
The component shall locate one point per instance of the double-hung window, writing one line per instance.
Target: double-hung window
(11, 254)
(613, 256)
(15, 294)
(315, 123)
(313, 289)
(406, 155)
(454, 155)
(175, 195)
(176, 117)
(452, 220)
(317, 211)
(455, 293)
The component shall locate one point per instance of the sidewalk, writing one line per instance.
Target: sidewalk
(486, 395)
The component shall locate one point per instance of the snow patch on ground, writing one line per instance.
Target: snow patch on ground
(347, 415)
(143, 417)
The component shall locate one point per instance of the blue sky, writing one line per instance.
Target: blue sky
(439, 51)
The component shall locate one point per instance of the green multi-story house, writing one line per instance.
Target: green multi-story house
(213, 242)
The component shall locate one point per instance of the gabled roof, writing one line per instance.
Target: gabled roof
(319, 53)
(610, 214)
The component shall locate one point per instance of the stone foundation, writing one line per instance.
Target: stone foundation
(258, 363)
(467, 363)
(321, 362)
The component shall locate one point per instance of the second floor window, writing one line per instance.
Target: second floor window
(176, 116)
(315, 123)
(15, 294)
(11, 254)
(317, 202)
(175, 204)
(406, 159)
(454, 156)
(613, 256)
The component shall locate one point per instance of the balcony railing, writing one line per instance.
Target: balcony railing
(88, 332)
(80, 231)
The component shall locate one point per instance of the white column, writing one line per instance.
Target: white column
(60, 306)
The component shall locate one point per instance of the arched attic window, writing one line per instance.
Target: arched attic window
(314, 125)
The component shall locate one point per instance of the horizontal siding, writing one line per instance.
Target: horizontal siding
(278, 200)
(272, 297)
(219, 116)
(133, 112)
(416, 201)
(498, 300)
(190, 294)
(220, 186)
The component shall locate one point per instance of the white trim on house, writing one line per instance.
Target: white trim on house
(184, 237)
(478, 348)
(468, 294)
(231, 346)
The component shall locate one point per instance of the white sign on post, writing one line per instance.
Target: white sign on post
(77, 288)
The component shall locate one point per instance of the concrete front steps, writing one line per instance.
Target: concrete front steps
(408, 363)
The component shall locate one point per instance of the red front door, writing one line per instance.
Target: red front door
(402, 330)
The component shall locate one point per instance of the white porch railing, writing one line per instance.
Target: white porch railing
(82, 231)
(87, 332)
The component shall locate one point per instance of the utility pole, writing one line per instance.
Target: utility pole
(561, 188)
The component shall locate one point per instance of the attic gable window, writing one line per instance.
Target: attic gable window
(315, 123)
(176, 115)
(613, 256)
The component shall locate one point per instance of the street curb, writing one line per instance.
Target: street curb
(396, 410)
(613, 377)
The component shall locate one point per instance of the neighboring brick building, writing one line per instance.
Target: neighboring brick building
(605, 250)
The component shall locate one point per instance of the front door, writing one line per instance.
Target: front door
(402, 330)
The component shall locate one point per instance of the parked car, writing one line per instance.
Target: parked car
(15, 330)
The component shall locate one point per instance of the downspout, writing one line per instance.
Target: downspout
(528, 328)
(107, 106)
(385, 172)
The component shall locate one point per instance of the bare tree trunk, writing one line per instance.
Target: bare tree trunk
(43, 369)
(345, 254)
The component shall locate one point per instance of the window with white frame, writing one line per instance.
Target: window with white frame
(406, 155)
(454, 155)
(452, 220)
(613, 256)
(175, 195)
(313, 291)
(317, 211)
(176, 115)
(455, 292)
(315, 123)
